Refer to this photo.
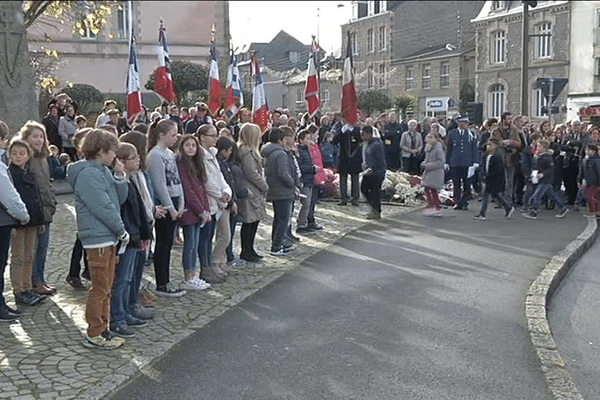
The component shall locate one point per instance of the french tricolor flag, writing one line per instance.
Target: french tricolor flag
(134, 95)
(234, 95)
(311, 91)
(214, 83)
(349, 101)
(163, 82)
(260, 108)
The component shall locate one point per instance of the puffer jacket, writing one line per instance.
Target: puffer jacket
(98, 200)
(280, 172)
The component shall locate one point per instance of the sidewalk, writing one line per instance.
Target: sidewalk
(42, 356)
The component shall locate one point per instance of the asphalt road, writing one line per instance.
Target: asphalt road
(411, 308)
(573, 315)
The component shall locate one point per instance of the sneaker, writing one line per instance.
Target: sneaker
(480, 218)
(122, 330)
(315, 227)
(294, 238)
(530, 215)
(86, 275)
(562, 212)
(7, 316)
(28, 298)
(278, 252)
(237, 263)
(510, 212)
(194, 284)
(169, 291)
(133, 321)
(302, 230)
(105, 341)
(141, 312)
(12, 310)
(437, 214)
(209, 276)
(76, 283)
(290, 248)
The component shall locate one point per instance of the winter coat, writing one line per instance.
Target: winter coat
(493, 172)
(24, 182)
(407, 143)
(216, 185)
(590, 171)
(12, 209)
(350, 151)
(433, 166)
(98, 199)
(66, 129)
(253, 206)
(51, 125)
(194, 194)
(40, 168)
(462, 149)
(544, 163)
(526, 157)
(329, 151)
(134, 217)
(373, 154)
(280, 172)
(234, 177)
(307, 167)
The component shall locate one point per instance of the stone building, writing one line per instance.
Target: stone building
(331, 91)
(101, 60)
(499, 55)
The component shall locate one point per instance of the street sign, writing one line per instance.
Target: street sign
(436, 104)
(551, 87)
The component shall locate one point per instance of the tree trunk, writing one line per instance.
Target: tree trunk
(18, 101)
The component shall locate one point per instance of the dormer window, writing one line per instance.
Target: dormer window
(498, 5)
(294, 56)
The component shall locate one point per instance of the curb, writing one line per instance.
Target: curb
(558, 379)
(143, 364)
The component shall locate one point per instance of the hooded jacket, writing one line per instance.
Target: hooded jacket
(544, 163)
(280, 173)
(24, 181)
(98, 200)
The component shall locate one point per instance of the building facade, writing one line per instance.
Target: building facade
(499, 55)
(101, 59)
(330, 90)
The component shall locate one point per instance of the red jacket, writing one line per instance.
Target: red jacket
(317, 159)
(194, 193)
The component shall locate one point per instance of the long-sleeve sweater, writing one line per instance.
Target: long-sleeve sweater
(196, 199)
(166, 182)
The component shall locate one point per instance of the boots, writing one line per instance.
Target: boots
(228, 269)
(209, 275)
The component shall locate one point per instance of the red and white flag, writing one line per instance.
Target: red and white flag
(134, 94)
(163, 81)
(311, 91)
(349, 101)
(234, 94)
(260, 108)
(214, 83)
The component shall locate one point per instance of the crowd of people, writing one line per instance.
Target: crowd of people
(137, 185)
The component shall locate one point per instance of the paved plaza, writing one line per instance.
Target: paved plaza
(42, 356)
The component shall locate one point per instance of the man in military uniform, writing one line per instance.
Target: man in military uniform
(461, 154)
(391, 140)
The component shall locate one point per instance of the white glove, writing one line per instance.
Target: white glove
(446, 167)
(475, 165)
(124, 238)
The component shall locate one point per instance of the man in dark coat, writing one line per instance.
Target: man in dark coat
(461, 154)
(391, 140)
(373, 156)
(350, 162)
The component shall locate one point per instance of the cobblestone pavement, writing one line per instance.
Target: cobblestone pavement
(42, 356)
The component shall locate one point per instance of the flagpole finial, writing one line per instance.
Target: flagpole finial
(212, 33)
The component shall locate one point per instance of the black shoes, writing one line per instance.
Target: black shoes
(6, 315)
(28, 298)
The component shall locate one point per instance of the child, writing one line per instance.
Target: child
(329, 151)
(493, 173)
(433, 174)
(81, 122)
(98, 198)
(589, 178)
(526, 157)
(24, 243)
(166, 182)
(35, 135)
(308, 170)
(543, 175)
(320, 178)
(197, 209)
(12, 213)
(134, 220)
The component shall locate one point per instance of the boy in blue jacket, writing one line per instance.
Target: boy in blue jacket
(98, 198)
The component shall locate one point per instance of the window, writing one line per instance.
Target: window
(284, 102)
(598, 18)
(382, 38)
(497, 97)
(85, 30)
(294, 56)
(123, 20)
(299, 96)
(498, 5)
(498, 47)
(445, 75)
(353, 43)
(371, 7)
(409, 79)
(370, 46)
(370, 77)
(538, 101)
(426, 81)
(383, 6)
(543, 43)
(326, 96)
(382, 75)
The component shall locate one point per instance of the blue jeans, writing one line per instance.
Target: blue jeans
(119, 302)
(4, 245)
(207, 232)
(545, 189)
(486, 199)
(40, 256)
(282, 215)
(138, 272)
(191, 236)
